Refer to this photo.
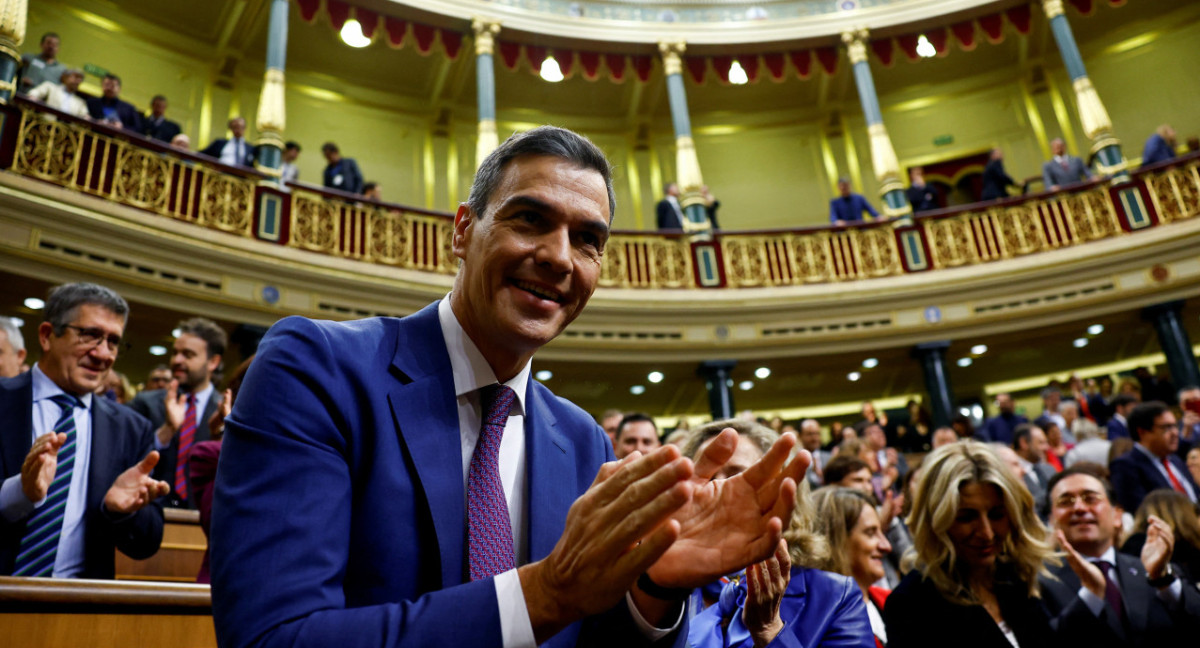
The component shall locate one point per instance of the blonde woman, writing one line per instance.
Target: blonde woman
(978, 548)
(786, 600)
(847, 519)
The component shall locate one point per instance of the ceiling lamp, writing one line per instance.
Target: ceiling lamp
(762, 373)
(925, 49)
(965, 362)
(1080, 343)
(544, 375)
(979, 349)
(158, 350)
(870, 363)
(352, 34)
(550, 70)
(33, 303)
(655, 377)
(853, 376)
(737, 74)
(1095, 329)
(746, 385)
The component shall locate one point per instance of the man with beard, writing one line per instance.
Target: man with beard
(180, 413)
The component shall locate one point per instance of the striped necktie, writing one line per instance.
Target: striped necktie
(489, 530)
(39, 545)
(187, 434)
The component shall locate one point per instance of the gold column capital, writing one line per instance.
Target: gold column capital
(485, 35)
(856, 44)
(272, 114)
(672, 51)
(883, 159)
(13, 18)
(1053, 8)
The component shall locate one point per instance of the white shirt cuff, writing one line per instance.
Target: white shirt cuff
(1171, 594)
(1094, 603)
(648, 630)
(516, 631)
(159, 445)
(13, 503)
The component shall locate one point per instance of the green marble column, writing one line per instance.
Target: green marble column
(272, 115)
(485, 86)
(687, 164)
(883, 156)
(13, 19)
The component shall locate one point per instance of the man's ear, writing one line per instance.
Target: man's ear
(45, 329)
(464, 219)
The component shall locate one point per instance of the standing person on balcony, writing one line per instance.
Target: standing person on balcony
(61, 96)
(235, 151)
(156, 125)
(848, 207)
(995, 180)
(922, 196)
(37, 69)
(341, 173)
(1063, 169)
(668, 214)
(288, 171)
(109, 109)
(1160, 147)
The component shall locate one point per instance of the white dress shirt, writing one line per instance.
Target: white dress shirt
(231, 151)
(14, 506)
(472, 373)
(56, 96)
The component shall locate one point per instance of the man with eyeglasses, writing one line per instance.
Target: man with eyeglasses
(1098, 597)
(1152, 463)
(76, 469)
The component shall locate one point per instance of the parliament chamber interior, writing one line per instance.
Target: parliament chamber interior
(843, 215)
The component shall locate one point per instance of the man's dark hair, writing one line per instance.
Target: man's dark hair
(329, 147)
(1121, 400)
(291, 146)
(1096, 471)
(49, 35)
(1143, 415)
(543, 140)
(635, 417)
(840, 466)
(214, 336)
(112, 76)
(1022, 433)
(368, 186)
(63, 302)
(158, 98)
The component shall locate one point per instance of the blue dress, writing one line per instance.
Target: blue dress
(818, 609)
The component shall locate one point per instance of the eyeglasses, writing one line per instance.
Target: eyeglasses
(1166, 426)
(91, 337)
(1089, 499)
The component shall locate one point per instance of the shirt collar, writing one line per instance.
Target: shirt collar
(44, 388)
(471, 371)
(1109, 556)
(1153, 457)
(204, 394)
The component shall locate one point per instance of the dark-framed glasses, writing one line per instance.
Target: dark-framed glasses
(91, 337)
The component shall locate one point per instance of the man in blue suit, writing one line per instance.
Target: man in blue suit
(397, 482)
(1152, 464)
(1063, 169)
(63, 449)
(848, 207)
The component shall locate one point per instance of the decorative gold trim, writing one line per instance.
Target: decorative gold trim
(269, 138)
(671, 52)
(14, 16)
(1053, 8)
(883, 159)
(856, 44)
(1091, 111)
(274, 173)
(486, 141)
(687, 167)
(272, 113)
(10, 86)
(485, 35)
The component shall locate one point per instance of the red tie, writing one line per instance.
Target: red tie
(1174, 482)
(187, 434)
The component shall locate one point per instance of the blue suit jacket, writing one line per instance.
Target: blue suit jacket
(1156, 150)
(120, 439)
(1053, 173)
(338, 516)
(1133, 476)
(1116, 429)
(850, 209)
(818, 609)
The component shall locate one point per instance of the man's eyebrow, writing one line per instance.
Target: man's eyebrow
(536, 204)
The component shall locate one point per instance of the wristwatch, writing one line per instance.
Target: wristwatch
(1166, 579)
(659, 592)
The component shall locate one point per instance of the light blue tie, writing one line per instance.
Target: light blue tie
(39, 545)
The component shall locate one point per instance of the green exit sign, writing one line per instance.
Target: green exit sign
(95, 70)
(943, 140)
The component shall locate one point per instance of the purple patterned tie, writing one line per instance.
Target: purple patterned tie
(489, 531)
(1112, 593)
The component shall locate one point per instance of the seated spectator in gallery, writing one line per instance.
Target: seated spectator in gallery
(372, 191)
(109, 109)
(1063, 169)
(234, 151)
(963, 427)
(810, 439)
(914, 434)
(181, 142)
(156, 125)
(1056, 447)
(978, 550)
(1092, 447)
(1069, 411)
(999, 428)
(848, 207)
(1118, 424)
(63, 95)
(1160, 146)
(288, 171)
(12, 349)
(944, 436)
(858, 546)
(923, 197)
(1099, 399)
(995, 181)
(341, 173)
(850, 472)
(44, 66)
(637, 432)
(1180, 515)
(1152, 463)
(1051, 401)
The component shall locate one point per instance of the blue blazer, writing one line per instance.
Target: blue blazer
(1156, 150)
(1117, 429)
(818, 609)
(1134, 475)
(120, 439)
(338, 516)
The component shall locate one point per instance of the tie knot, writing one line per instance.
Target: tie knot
(1105, 567)
(191, 399)
(497, 401)
(66, 401)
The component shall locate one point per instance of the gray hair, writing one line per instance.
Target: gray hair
(10, 330)
(543, 140)
(63, 302)
(762, 436)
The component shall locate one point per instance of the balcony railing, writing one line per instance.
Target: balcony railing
(41, 143)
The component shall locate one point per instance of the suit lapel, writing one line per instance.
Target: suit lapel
(16, 406)
(425, 412)
(101, 454)
(552, 467)
(1152, 470)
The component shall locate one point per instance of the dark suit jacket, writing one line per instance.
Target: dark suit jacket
(341, 484)
(918, 615)
(666, 216)
(1156, 150)
(248, 151)
(202, 473)
(150, 405)
(350, 175)
(1116, 429)
(120, 439)
(163, 132)
(130, 118)
(1149, 621)
(1053, 173)
(995, 181)
(1133, 476)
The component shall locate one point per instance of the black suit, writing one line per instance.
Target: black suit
(995, 181)
(918, 615)
(120, 439)
(218, 145)
(130, 118)
(1134, 475)
(163, 131)
(666, 216)
(150, 404)
(1148, 620)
